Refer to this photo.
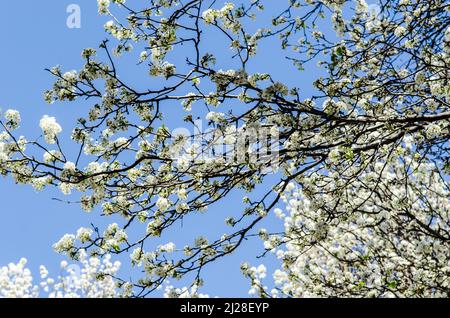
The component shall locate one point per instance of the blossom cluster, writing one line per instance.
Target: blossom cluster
(391, 246)
(92, 278)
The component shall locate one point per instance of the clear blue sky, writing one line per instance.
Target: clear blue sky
(34, 36)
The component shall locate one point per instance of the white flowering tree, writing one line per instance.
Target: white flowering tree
(93, 279)
(361, 159)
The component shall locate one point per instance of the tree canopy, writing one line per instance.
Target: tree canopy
(360, 155)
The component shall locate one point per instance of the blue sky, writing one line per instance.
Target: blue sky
(35, 37)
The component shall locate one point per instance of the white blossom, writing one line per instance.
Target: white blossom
(50, 128)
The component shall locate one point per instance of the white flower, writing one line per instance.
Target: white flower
(162, 203)
(399, 31)
(93, 167)
(136, 256)
(143, 56)
(420, 78)
(120, 142)
(13, 118)
(279, 213)
(65, 244)
(182, 207)
(168, 248)
(433, 130)
(182, 194)
(261, 271)
(43, 272)
(70, 76)
(50, 128)
(66, 188)
(103, 6)
(109, 25)
(334, 155)
(227, 8)
(290, 187)
(209, 16)
(215, 117)
(84, 234)
(69, 166)
(51, 156)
